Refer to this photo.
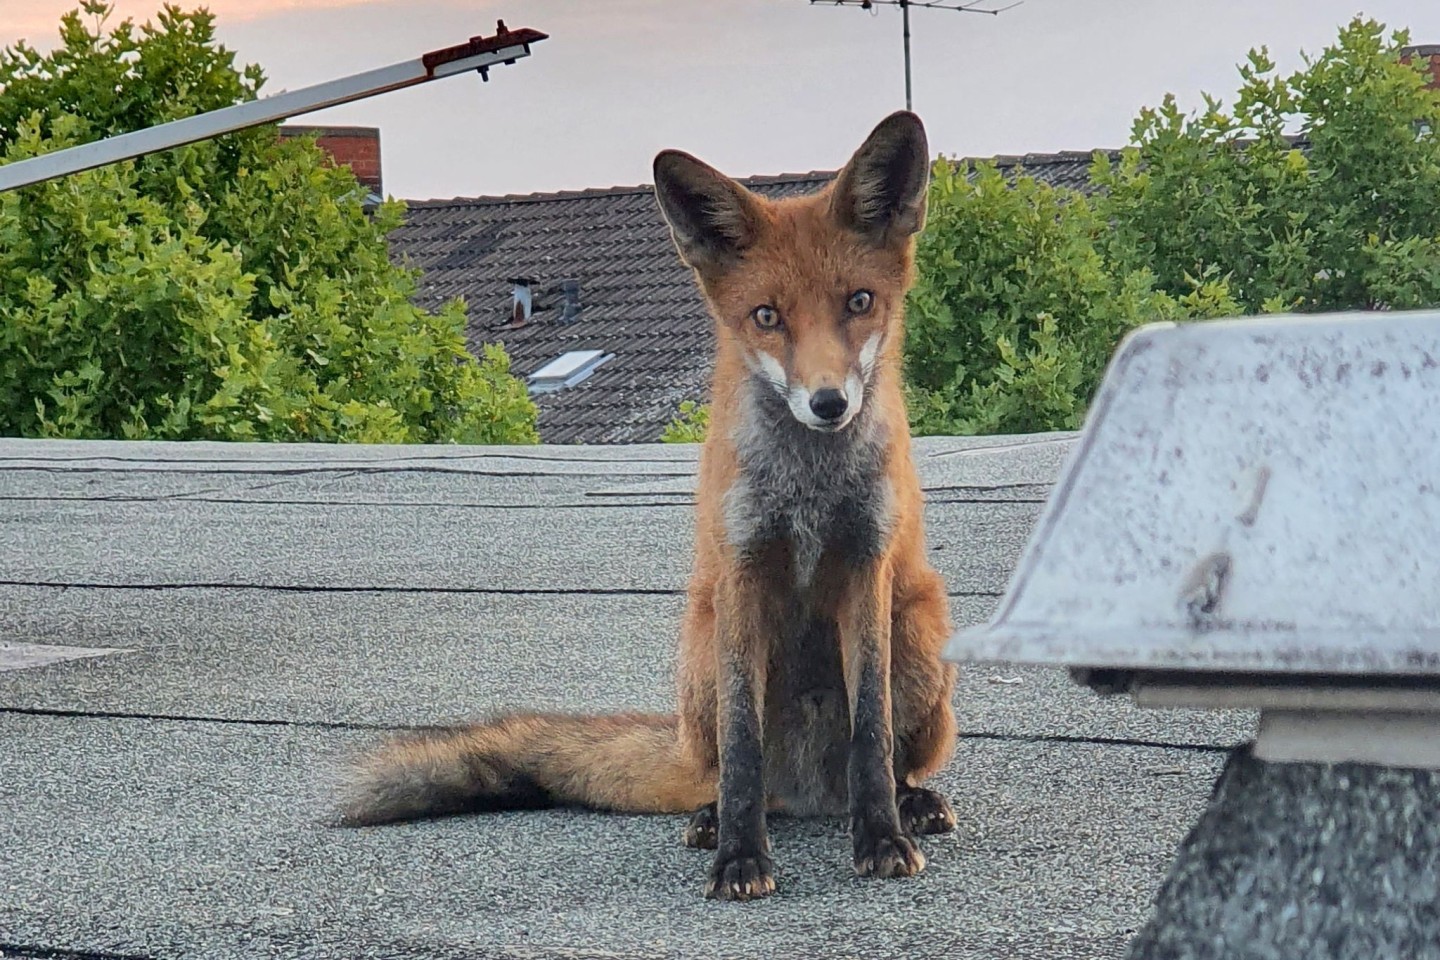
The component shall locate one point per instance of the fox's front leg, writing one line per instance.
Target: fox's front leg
(882, 848)
(742, 869)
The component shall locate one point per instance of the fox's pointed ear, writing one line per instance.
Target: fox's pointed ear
(881, 192)
(712, 218)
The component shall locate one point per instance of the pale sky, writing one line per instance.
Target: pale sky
(751, 86)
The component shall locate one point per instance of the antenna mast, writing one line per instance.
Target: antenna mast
(958, 6)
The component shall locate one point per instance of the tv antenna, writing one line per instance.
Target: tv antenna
(958, 6)
(479, 55)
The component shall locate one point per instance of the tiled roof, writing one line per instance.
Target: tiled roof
(639, 303)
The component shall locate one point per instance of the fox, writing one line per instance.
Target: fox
(810, 680)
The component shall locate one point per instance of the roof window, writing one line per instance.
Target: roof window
(567, 370)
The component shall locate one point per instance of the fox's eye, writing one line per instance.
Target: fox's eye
(766, 317)
(861, 301)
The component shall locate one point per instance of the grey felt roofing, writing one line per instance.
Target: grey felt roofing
(279, 607)
(639, 303)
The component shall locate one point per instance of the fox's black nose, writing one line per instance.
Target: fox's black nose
(829, 404)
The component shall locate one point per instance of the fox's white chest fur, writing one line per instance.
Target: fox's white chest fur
(815, 491)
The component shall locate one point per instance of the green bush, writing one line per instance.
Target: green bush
(1024, 290)
(689, 425)
(1349, 222)
(233, 289)
(1016, 310)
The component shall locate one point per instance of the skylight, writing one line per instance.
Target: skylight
(566, 370)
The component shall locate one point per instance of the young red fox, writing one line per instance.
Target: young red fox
(810, 679)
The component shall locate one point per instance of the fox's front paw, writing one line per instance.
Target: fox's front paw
(740, 875)
(884, 851)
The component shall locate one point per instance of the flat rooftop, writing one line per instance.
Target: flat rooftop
(194, 637)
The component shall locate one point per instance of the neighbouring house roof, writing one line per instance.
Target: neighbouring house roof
(638, 302)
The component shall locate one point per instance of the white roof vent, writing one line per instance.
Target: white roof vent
(567, 370)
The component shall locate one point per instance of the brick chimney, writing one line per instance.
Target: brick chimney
(355, 147)
(1429, 51)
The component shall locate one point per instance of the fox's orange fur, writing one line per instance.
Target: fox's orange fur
(810, 678)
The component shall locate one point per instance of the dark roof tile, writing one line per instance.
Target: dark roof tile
(639, 302)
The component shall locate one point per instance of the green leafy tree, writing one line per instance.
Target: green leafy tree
(689, 425)
(232, 289)
(1315, 191)
(1016, 310)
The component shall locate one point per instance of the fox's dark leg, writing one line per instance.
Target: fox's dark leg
(742, 869)
(881, 846)
(922, 686)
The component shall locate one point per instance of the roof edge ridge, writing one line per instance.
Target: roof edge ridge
(762, 180)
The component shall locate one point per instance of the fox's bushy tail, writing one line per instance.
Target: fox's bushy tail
(631, 763)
